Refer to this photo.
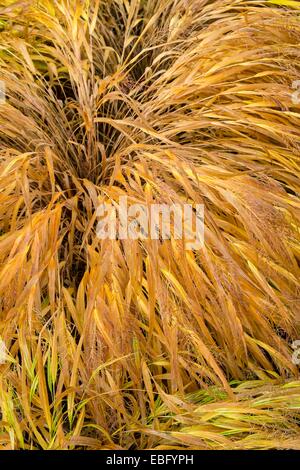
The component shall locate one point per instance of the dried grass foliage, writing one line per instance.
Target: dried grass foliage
(135, 344)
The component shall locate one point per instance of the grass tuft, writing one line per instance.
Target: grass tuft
(135, 344)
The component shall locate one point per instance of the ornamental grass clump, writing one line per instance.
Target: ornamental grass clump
(138, 344)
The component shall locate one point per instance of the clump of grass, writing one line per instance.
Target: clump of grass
(134, 343)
